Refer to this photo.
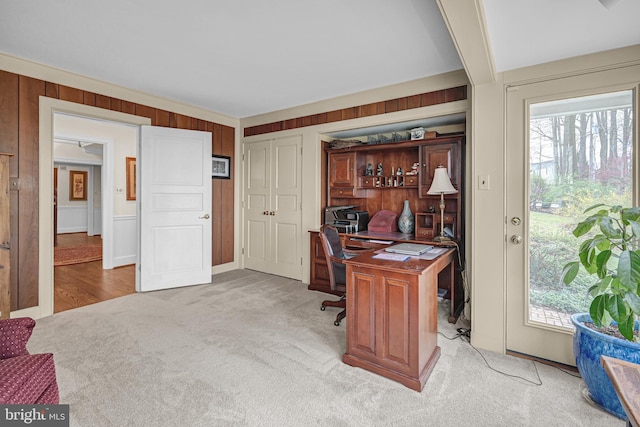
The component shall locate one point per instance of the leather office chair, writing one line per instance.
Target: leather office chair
(335, 254)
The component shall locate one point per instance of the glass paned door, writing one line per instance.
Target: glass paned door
(570, 144)
(580, 155)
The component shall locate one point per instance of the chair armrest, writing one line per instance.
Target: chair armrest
(14, 334)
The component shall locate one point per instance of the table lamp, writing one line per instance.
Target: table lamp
(441, 185)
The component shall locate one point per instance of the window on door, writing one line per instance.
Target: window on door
(581, 153)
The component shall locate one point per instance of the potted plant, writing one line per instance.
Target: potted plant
(612, 255)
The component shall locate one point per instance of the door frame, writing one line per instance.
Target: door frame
(521, 333)
(47, 108)
(106, 165)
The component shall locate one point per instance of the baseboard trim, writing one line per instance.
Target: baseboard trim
(558, 365)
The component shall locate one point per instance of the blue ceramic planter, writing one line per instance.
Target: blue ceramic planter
(588, 346)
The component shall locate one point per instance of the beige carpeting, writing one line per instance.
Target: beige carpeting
(252, 349)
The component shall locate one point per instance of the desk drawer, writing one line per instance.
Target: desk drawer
(346, 192)
(411, 180)
(447, 218)
(424, 232)
(367, 181)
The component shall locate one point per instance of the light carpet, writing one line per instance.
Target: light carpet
(252, 349)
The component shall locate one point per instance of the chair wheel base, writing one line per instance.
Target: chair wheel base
(323, 308)
(337, 323)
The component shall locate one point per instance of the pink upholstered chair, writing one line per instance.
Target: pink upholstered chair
(24, 378)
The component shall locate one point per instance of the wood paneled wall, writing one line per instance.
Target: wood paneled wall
(19, 126)
(389, 106)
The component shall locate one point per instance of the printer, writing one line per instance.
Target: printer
(346, 219)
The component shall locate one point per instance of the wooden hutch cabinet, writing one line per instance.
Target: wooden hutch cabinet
(347, 183)
(343, 169)
(432, 156)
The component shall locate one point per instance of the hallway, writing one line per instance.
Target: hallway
(78, 285)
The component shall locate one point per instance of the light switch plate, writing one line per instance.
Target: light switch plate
(483, 182)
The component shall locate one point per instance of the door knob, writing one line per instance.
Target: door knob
(206, 216)
(272, 213)
(516, 239)
(265, 213)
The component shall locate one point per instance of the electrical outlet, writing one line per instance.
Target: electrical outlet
(483, 182)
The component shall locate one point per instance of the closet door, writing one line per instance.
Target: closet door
(286, 207)
(257, 205)
(272, 206)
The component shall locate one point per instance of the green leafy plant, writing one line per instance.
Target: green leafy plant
(613, 255)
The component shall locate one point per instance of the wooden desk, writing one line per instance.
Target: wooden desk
(392, 315)
(319, 274)
(625, 377)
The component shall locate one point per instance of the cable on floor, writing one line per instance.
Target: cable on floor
(465, 335)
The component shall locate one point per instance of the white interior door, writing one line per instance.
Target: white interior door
(555, 159)
(257, 205)
(174, 176)
(286, 205)
(272, 206)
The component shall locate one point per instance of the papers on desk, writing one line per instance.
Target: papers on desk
(432, 253)
(391, 257)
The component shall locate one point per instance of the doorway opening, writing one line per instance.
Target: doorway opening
(93, 260)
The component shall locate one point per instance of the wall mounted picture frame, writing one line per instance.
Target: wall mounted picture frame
(78, 185)
(220, 167)
(131, 178)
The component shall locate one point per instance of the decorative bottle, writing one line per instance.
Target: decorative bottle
(406, 221)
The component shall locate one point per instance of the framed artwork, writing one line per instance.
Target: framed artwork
(220, 167)
(131, 178)
(78, 185)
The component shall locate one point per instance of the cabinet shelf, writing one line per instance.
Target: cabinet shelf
(394, 145)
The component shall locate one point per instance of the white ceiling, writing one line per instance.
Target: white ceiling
(246, 57)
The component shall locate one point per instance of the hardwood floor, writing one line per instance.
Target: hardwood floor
(78, 285)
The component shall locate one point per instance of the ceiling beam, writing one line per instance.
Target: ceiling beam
(468, 29)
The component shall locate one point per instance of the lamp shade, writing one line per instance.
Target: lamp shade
(441, 183)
